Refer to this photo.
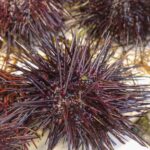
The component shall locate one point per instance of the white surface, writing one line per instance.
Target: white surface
(131, 145)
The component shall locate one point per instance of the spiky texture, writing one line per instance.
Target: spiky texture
(8, 82)
(127, 21)
(14, 138)
(24, 17)
(12, 135)
(21, 20)
(76, 93)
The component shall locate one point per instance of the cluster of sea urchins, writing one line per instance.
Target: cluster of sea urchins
(23, 17)
(127, 21)
(74, 92)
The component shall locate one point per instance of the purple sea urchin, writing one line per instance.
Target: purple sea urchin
(76, 93)
(7, 81)
(21, 20)
(23, 16)
(14, 138)
(127, 21)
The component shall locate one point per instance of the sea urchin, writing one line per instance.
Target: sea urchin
(127, 21)
(21, 17)
(76, 93)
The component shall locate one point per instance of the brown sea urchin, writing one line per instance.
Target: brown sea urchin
(75, 93)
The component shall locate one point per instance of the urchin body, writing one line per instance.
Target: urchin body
(79, 97)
